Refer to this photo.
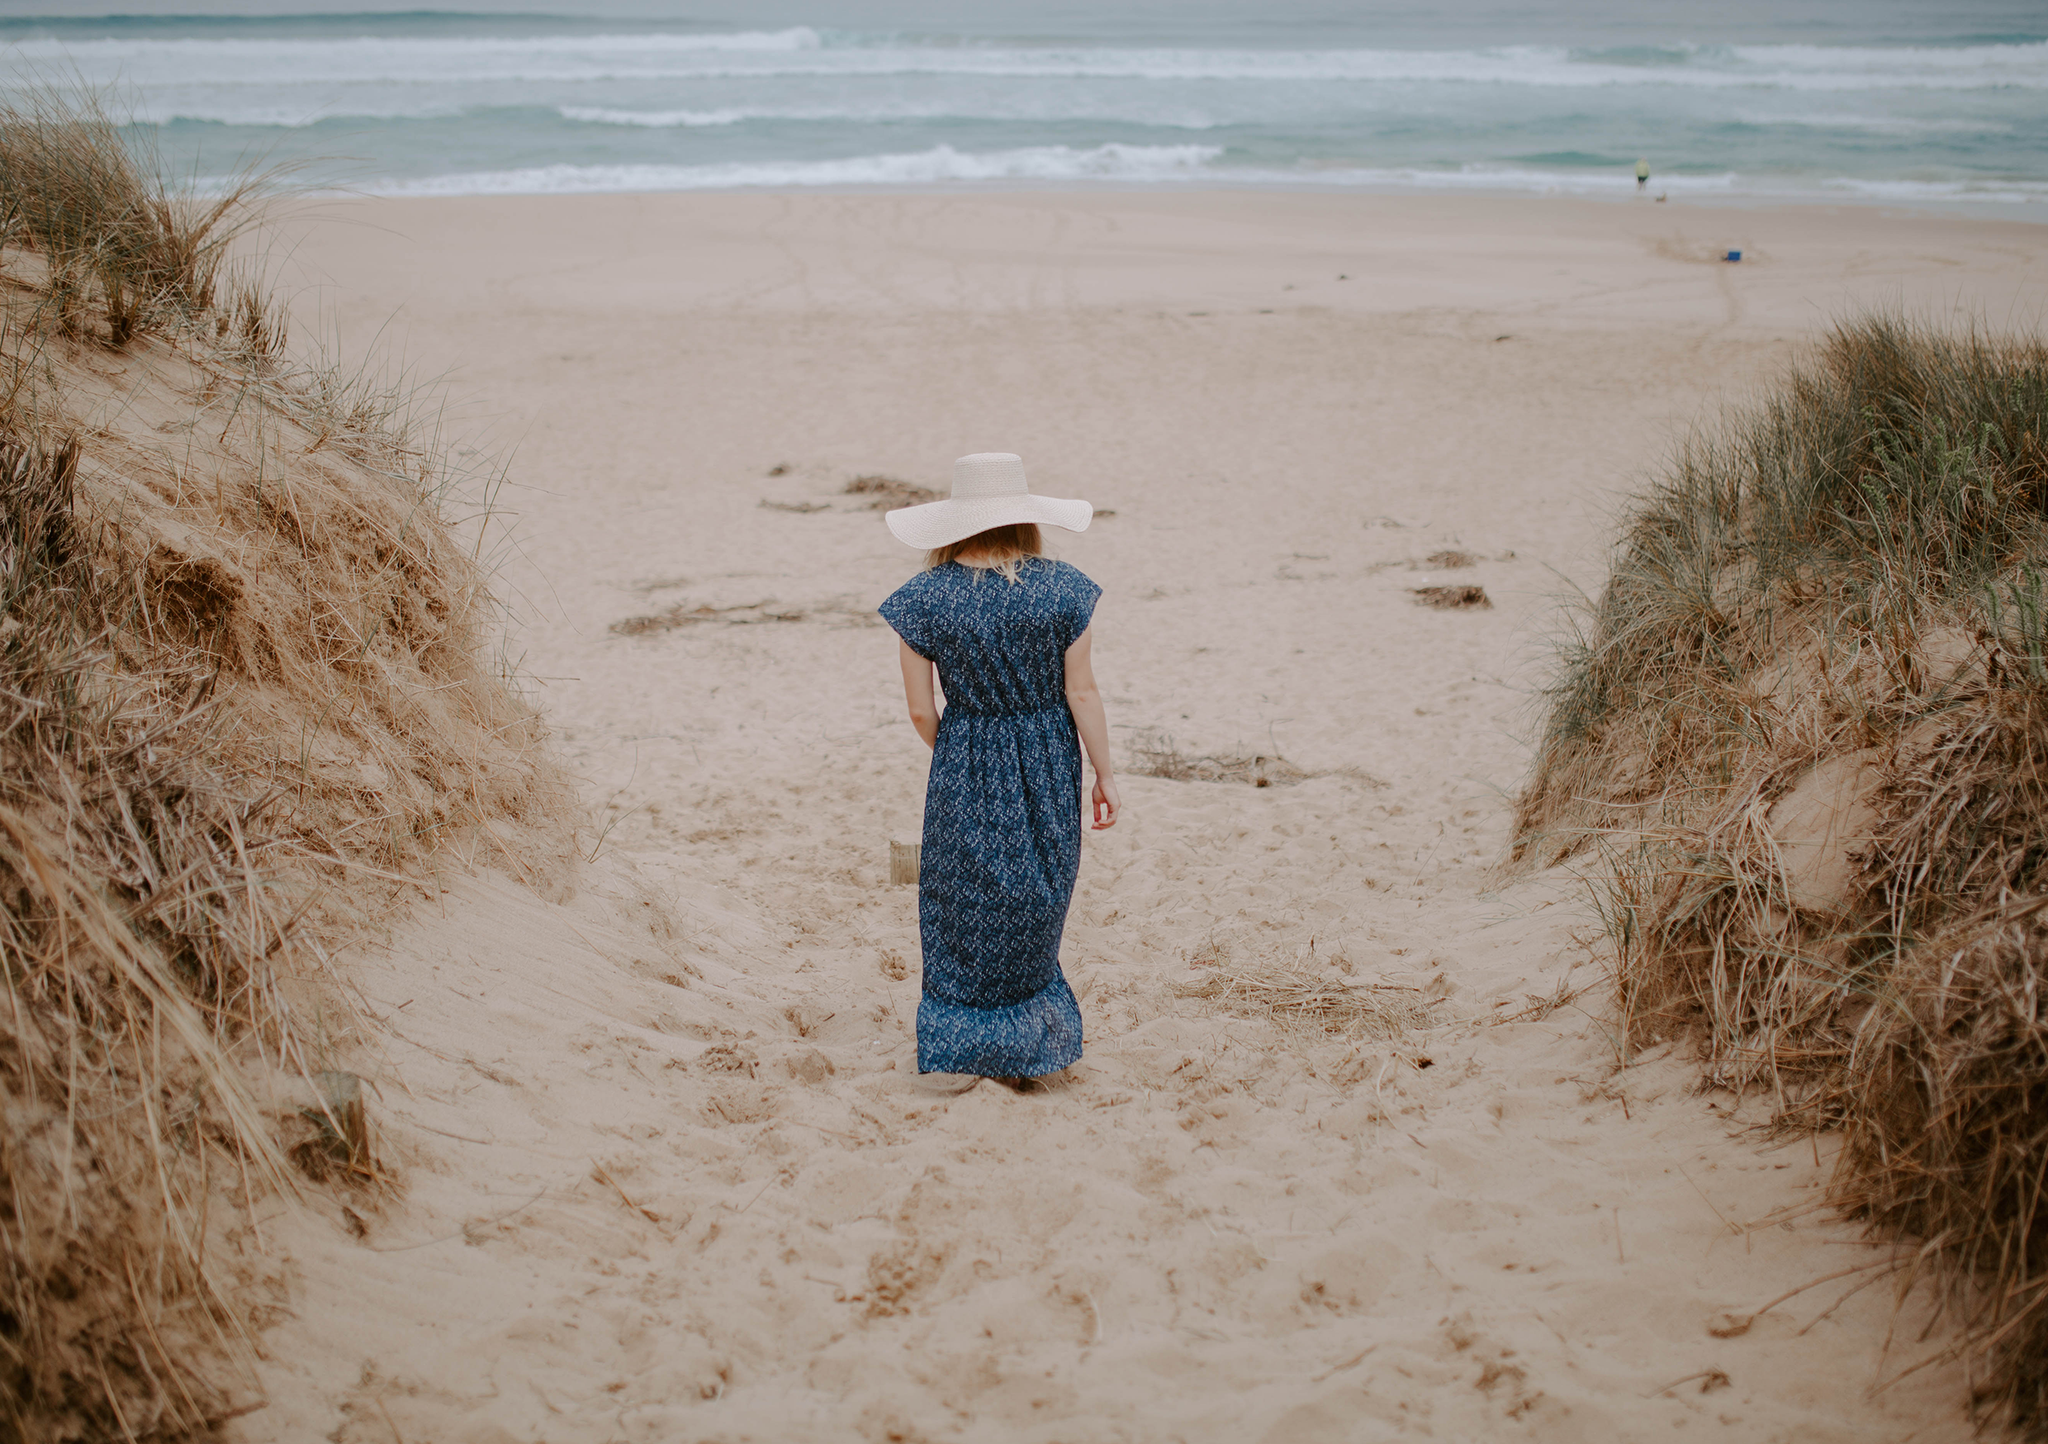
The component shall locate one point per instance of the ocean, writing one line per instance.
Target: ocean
(1878, 101)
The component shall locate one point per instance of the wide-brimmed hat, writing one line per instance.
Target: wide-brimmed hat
(988, 490)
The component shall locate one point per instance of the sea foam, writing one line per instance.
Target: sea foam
(940, 163)
(1167, 165)
(441, 103)
(656, 119)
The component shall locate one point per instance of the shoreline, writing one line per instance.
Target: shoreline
(2030, 210)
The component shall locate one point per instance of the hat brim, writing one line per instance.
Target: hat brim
(941, 523)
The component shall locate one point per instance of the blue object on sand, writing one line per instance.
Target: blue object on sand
(1732, 256)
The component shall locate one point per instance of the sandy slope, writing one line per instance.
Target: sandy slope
(669, 1177)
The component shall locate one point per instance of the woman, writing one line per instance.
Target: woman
(1007, 629)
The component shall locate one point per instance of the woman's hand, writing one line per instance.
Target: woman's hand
(1107, 803)
(1084, 700)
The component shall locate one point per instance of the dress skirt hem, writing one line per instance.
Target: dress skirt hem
(1030, 1039)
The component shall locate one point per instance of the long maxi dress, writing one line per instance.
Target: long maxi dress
(1002, 815)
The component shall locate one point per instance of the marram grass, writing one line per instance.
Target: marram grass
(1801, 741)
(243, 698)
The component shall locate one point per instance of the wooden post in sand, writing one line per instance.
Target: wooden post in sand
(903, 862)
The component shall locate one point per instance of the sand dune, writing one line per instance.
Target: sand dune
(668, 1174)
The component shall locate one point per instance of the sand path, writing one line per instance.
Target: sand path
(669, 1174)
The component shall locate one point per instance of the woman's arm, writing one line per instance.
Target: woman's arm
(1084, 700)
(919, 693)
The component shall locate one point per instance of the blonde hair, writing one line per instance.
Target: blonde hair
(999, 548)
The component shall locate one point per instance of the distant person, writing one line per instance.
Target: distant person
(1642, 176)
(1008, 630)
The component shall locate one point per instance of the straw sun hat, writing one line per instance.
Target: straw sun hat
(988, 490)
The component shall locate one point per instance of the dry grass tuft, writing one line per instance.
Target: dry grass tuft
(1803, 738)
(132, 946)
(1304, 995)
(243, 696)
(1155, 755)
(1450, 561)
(682, 614)
(1453, 599)
(886, 493)
(122, 256)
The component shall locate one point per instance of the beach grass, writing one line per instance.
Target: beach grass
(245, 695)
(122, 251)
(1299, 996)
(1800, 745)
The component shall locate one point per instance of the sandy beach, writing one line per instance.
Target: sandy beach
(666, 1174)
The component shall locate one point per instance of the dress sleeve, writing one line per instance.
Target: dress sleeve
(905, 611)
(1079, 607)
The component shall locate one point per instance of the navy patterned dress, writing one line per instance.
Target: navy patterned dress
(1002, 815)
